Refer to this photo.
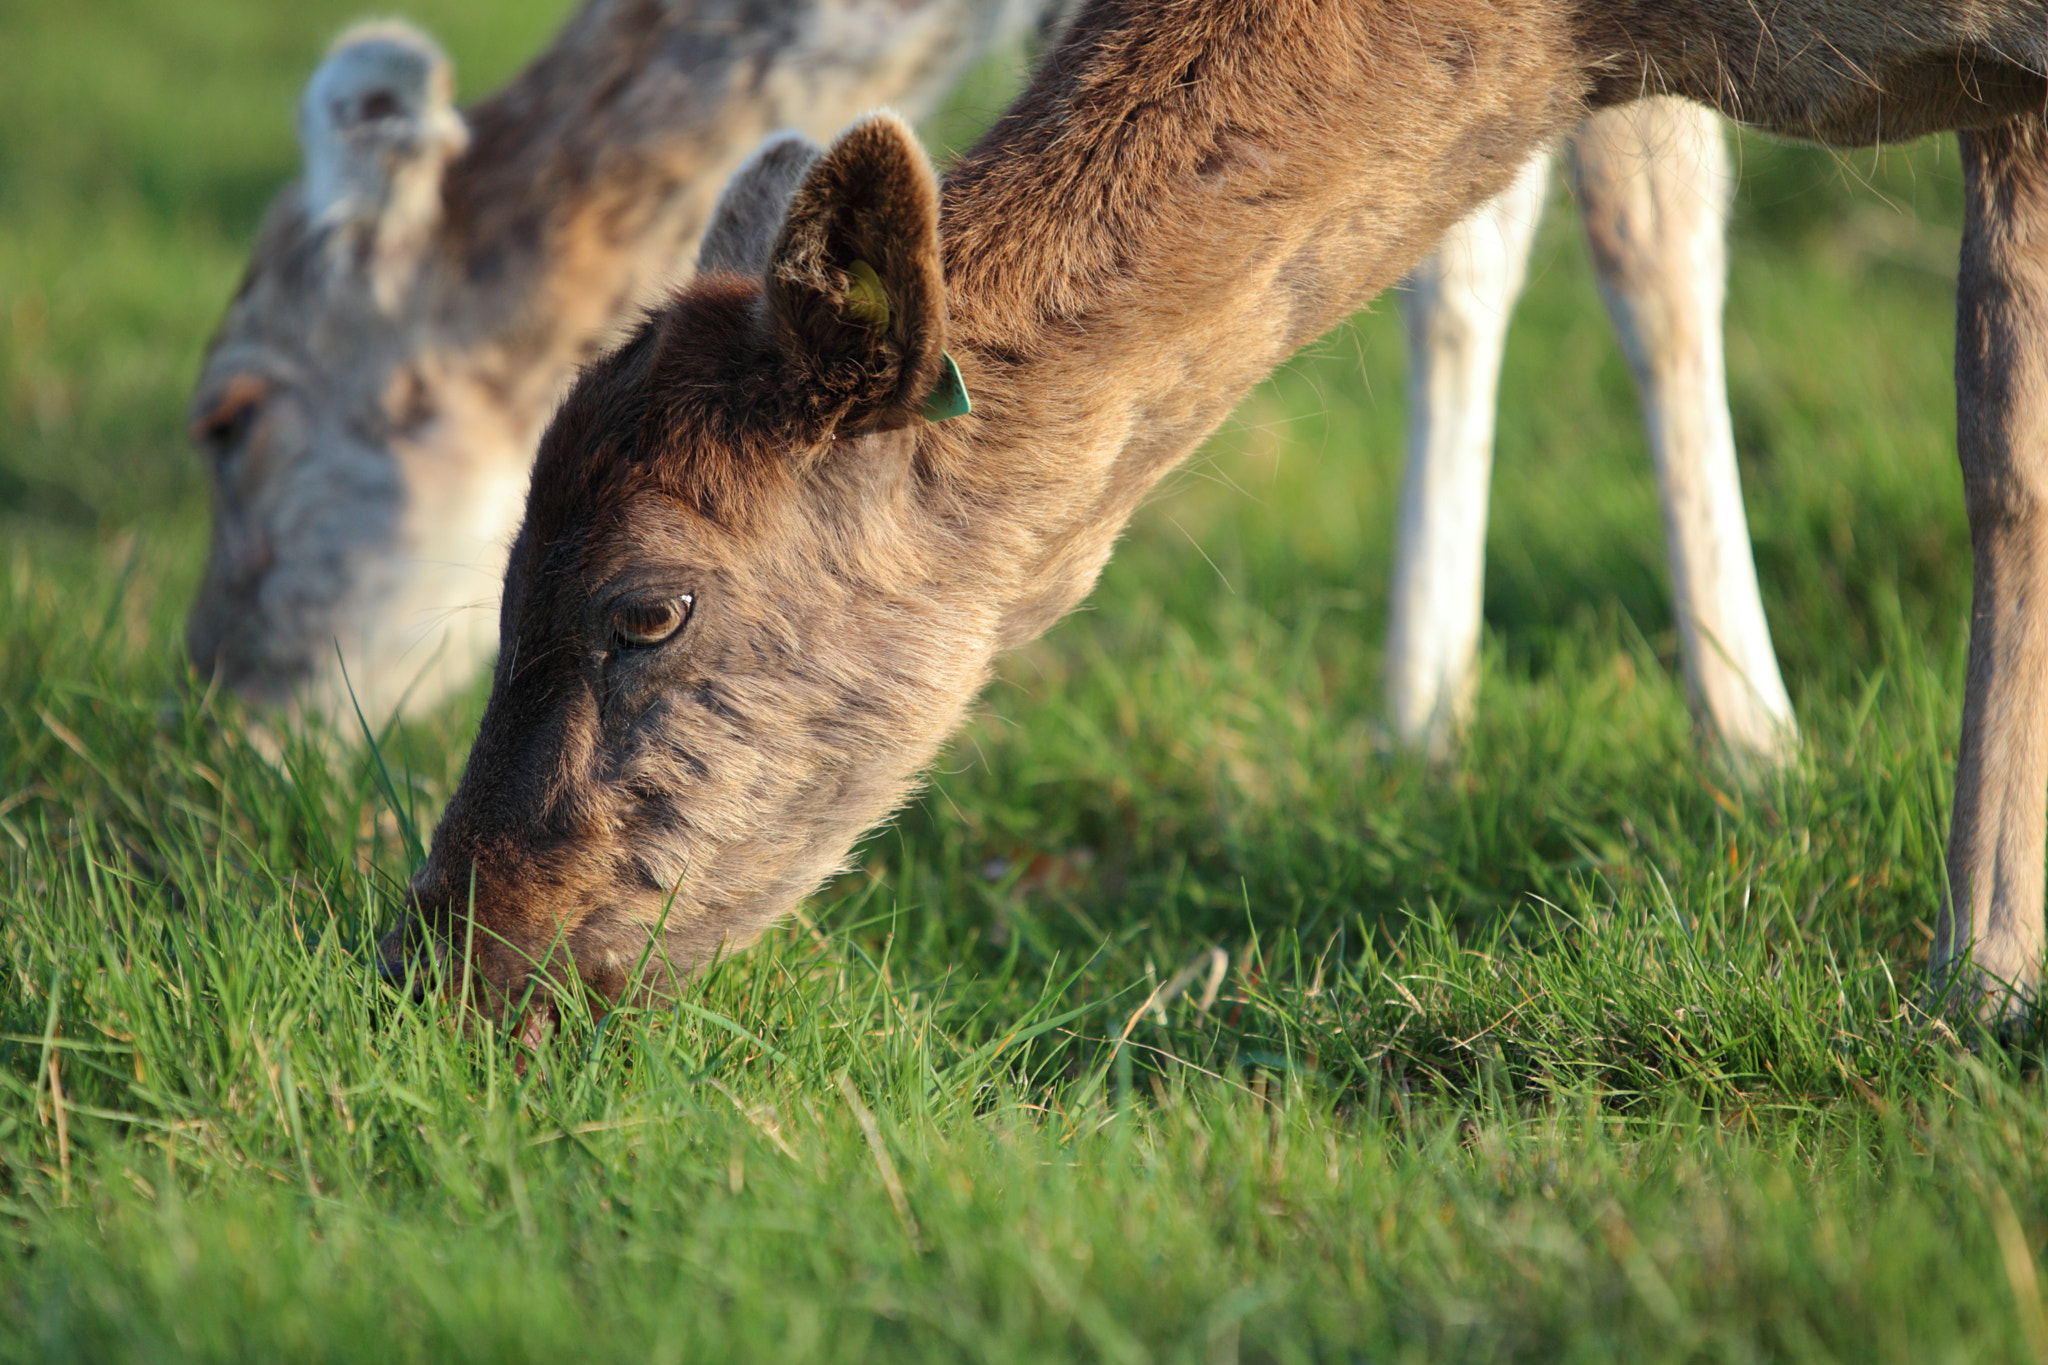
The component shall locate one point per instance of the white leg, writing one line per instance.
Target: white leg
(1457, 305)
(1654, 182)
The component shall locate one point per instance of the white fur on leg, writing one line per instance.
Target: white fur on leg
(1457, 305)
(1654, 184)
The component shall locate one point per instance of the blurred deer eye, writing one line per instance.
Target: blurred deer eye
(649, 623)
(223, 434)
(223, 428)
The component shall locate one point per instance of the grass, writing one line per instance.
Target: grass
(1181, 1020)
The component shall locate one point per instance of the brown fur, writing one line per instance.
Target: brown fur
(1993, 925)
(1190, 190)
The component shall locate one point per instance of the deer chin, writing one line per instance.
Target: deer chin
(419, 621)
(288, 646)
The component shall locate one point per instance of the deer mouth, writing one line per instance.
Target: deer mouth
(267, 673)
(503, 956)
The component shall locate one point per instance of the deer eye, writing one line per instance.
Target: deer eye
(641, 624)
(224, 426)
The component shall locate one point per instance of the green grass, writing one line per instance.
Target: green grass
(1577, 1051)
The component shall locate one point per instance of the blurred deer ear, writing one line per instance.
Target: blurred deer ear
(750, 207)
(378, 126)
(856, 296)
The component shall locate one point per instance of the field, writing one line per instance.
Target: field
(1180, 1020)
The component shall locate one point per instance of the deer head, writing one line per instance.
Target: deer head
(733, 629)
(328, 426)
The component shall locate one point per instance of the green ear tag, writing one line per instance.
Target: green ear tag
(866, 302)
(948, 397)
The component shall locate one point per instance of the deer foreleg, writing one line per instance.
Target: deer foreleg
(1654, 182)
(1988, 945)
(1457, 305)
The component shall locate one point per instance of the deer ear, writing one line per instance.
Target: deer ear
(378, 126)
(856, 297)
(750, 208)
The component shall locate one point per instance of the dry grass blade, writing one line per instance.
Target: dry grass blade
(1219, 966)
(2020, 1271)
(758, 1115)
(1215, 959)
(63, 1133)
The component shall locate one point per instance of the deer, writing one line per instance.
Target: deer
(418, 300)
(414, 307)
(1654, 185)
(774, 541)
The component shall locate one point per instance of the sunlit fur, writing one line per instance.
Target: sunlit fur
(1190, 190)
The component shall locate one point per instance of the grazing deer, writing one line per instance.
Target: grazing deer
(1654, 183)
(417, 303)
(759, 580)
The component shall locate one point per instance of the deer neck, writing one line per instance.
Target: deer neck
(1158, 224)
